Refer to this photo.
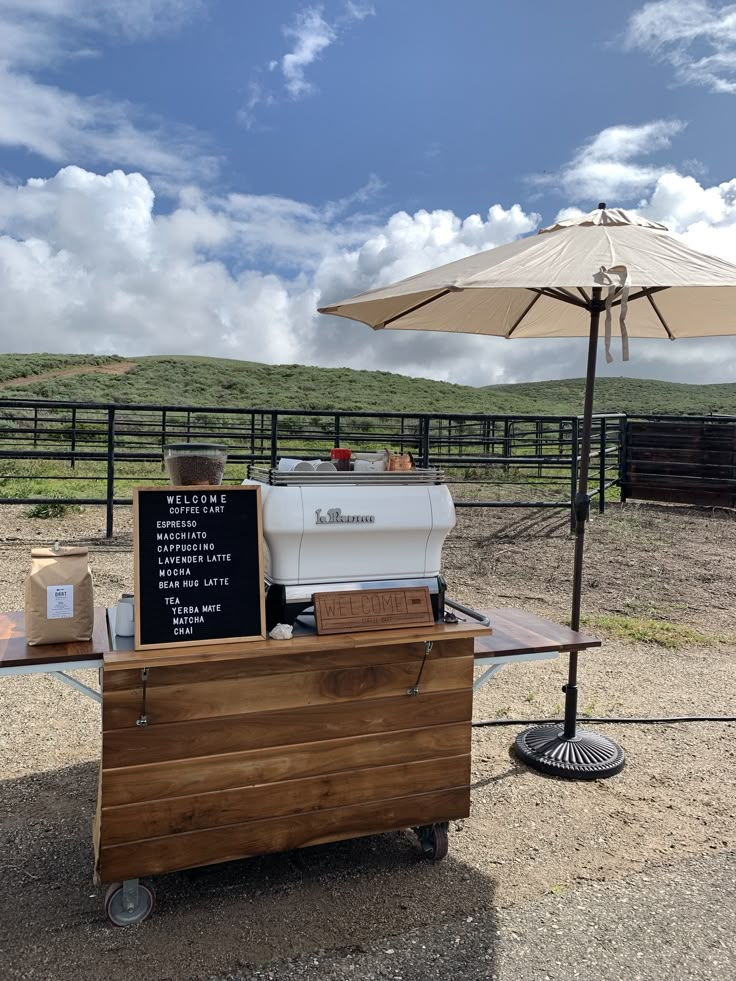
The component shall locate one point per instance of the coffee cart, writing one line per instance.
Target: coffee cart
(220, 749)
(240, 750)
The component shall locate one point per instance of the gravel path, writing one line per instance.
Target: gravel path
(635, 843)
(673, 923)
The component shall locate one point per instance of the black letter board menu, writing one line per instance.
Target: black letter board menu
(198, 565)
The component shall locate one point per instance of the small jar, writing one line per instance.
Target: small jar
(190, 464)
(341, 458)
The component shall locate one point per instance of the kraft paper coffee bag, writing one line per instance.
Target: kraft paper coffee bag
(59, 601)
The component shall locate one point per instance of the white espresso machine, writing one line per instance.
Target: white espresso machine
(365, 530)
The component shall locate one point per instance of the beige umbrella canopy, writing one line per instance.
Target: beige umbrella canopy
(558, 283)
(540, 286)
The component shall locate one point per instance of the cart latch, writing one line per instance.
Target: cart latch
(414, 690)
(143, 719)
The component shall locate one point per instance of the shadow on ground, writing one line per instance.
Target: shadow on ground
(207, 921)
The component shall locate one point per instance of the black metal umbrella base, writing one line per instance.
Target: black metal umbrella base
(584, 756)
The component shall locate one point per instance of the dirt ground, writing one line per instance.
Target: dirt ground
(528, 835)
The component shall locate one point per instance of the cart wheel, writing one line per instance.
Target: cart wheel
(434, 841)
(116, 910)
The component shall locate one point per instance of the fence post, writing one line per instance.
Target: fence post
(424, 446)
(74, 434)
(337, 429)
(35, 427)
(573, 469)
(506, 443)
(623, 438)
(163, 436)
(538, 444)
(602, 470)
(274, 438)
(110, 468)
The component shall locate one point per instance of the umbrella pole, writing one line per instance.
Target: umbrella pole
(564, 750)
(582, 512)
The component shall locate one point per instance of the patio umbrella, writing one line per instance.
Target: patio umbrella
(558, 283)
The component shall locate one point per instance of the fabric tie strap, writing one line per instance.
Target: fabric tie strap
(616, 278)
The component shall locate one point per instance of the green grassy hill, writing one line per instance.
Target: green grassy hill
(170, 380)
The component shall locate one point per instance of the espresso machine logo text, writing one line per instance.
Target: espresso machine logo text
(334, 516)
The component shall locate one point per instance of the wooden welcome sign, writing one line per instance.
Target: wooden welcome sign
(343, 612)
(198, 560)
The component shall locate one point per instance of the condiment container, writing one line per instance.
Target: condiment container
(125, 616)
(341, 458)
(195, 463)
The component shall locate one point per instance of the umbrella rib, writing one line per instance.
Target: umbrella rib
(553, 294)
(584, 295)
(523, 314)
(643, 292)
(416, 306)
(561, 289)
(661, 318)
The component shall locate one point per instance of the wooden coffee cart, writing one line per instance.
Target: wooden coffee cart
(219, 749)
(235, 750)
(271, 745)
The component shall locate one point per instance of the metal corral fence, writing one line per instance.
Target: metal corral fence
(94, 453)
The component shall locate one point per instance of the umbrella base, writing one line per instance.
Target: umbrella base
(585, 756)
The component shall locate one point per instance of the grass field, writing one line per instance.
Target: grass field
(176, 380)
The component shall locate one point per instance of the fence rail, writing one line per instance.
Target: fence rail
(93, 453)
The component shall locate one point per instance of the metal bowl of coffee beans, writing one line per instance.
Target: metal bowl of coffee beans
(195, 463)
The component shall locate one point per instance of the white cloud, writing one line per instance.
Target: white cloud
(87, 265)
(310, 35)
(61, 125)
(608, 167)
(697, 38)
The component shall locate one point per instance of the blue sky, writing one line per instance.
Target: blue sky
(196, 177)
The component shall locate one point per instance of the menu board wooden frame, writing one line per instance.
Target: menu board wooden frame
(197, 489)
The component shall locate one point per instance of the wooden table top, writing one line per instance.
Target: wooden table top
(519, 632)
(513, 632)
(299, 644)
(15, 652)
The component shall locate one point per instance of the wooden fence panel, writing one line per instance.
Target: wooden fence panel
(683, 461)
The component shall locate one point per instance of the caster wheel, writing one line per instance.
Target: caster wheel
(434, 840)
(118, 911)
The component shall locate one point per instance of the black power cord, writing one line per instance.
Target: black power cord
(635, 721)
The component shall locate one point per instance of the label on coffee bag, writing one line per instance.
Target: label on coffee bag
(59, 602)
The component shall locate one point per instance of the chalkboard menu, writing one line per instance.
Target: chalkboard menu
(198, 565)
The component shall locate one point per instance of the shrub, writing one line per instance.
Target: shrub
(52, 510)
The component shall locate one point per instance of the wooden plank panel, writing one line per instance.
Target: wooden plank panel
(201, 775)
(283, 663)
(176, 815)
(699, 497)
(210, 737)
(207, 700)
(158, 855)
